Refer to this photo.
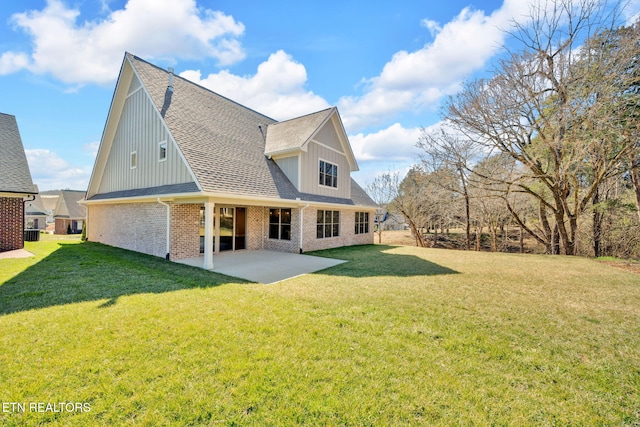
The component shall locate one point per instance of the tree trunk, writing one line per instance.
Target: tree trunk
(635, 179)
(414, 230)
(548, 244)
(435, 235)
(494, 243)
(479, 238)
(555, 240)
(598, 216)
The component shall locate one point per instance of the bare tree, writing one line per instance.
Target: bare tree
(381, 192)
(408, 199)
(404, 196)
(442, 150)
(544, 107)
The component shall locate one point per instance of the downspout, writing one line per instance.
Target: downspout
(167, 256)
(24, 214)
(302, 224)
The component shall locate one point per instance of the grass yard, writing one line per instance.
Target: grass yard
(397, 336)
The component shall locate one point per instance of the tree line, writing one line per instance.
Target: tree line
(547, 146)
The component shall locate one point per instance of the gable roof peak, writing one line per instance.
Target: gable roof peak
(15, 176)
(134, 58)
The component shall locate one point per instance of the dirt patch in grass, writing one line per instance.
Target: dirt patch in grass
(455, 239)
(632, 266)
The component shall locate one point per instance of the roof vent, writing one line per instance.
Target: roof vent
(170, 87)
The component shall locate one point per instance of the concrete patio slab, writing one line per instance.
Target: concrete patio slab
(264, 266)
(18, 253)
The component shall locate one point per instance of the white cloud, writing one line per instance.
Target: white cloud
(433, 26)
(11, 62)
(50, 172)
(277, 89)
(92, 148)
(392, 144)
(416, 80)
(91, 51)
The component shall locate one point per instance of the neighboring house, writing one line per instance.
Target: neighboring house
(69, 215)
(16, 185)
(35, 216)
(390, 220)
(49, 201)
(183, 171)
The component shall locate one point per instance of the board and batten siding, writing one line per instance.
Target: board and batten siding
(141, 129)
(311, 169)
(328, 136)
(289, 166)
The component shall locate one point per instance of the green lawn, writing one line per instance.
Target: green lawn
(397, 336)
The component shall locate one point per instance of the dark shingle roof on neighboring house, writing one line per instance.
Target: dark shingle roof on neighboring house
(35, 207)
(14, 169)
(222, 141)
(68, 206)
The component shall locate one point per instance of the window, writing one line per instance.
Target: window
(328, 224)
(328, 174)
(362, 222)
(134, 159)
(162, 152)
(280, 224)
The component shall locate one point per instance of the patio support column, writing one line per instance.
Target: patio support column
(208, 235)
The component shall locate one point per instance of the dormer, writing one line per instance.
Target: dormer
(314, 153)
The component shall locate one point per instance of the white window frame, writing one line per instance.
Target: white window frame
(133, 160)
(160, 158)
(336, 176)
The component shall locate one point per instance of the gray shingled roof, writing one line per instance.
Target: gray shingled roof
(68, 206)
(14, 169)
(35, 207)
(189, 187)
(223, 141)
(294, 133)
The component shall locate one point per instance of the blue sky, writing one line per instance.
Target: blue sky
(387, 66)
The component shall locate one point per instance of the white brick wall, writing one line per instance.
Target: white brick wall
(139, 227)
(347, 235)
(185, 231)
(292, 245)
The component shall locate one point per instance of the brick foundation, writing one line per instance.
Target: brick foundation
(11, 223)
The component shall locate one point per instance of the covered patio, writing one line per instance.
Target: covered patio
(263, 266)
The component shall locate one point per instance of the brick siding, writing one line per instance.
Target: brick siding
(255, 232)
(347, 236)
(142, 227)
(185, 231)
(292, 245)
(11, 223)
(139, 227)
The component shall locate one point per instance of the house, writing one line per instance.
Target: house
(35, 216)
(182, 171)
(69, 215)
(390, 220)
(16, 185)
(49, 201)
